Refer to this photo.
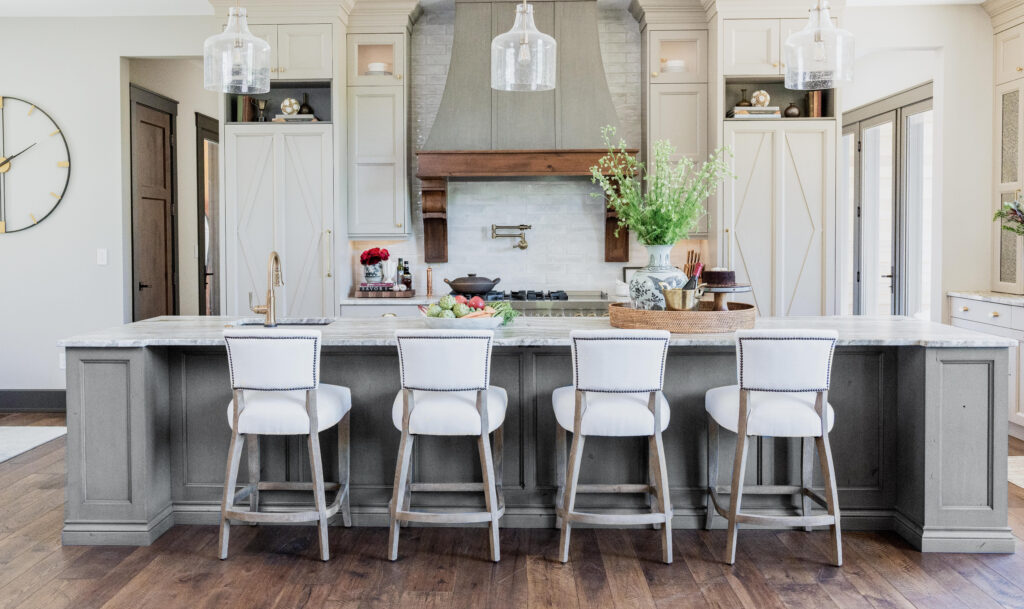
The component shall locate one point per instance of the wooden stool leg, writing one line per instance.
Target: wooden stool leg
(739, 470)
(664, 501)
(490, 494)
(712, 470)
(831, 496)
(319, 497)
(575, 460)
(401, 475)
(344, 467)
(407, 491)
(252, 442)
(499, 464)
(560, 467)
(806, 474)
(652, 481)
(230, 482)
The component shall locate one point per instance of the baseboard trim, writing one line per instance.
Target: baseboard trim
(32, 400)
(1017, 431)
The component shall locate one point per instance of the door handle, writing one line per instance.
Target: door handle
(329, 253)
(143, 286)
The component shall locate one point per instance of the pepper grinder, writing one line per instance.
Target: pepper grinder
(430, 281)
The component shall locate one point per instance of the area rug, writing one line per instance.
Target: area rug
(16, 440)
(1016, 471)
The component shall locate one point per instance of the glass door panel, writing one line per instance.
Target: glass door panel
(848, 227)
(917, 147)
(877, 217)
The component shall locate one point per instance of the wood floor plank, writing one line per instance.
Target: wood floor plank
(622, 566)
(672, 586)
(550, 584)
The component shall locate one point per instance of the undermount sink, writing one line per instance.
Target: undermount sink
(309, 321)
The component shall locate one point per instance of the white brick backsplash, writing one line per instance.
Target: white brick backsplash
(566, 248)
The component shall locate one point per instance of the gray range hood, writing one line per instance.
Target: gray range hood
(472, 116)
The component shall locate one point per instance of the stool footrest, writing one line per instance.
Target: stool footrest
(786, 521)
(447, 517)
(614, 488)
(614, 519)
(279, 517)
(446, 487)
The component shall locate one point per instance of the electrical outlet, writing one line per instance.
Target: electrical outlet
(101, 256)
(62, 360)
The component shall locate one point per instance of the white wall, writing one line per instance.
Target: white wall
(50, 284)
(884, 72)
(182, 81)
(959, 39)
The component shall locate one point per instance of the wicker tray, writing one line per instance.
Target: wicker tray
(703, 321)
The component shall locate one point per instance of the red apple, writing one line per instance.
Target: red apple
(460, 299)
(476, 302)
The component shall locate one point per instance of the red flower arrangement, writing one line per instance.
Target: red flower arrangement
(374, 255)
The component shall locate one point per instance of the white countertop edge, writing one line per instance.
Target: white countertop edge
(538, 332)
(989, 296)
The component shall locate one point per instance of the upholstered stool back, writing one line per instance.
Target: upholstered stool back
(784, 360)
(619, 361)
(445, 360)
(270, 359)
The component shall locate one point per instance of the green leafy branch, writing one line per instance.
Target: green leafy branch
(1012, 217)
(674, 200)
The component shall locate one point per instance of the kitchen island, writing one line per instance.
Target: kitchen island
(920, 439)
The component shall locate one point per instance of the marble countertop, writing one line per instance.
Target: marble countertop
(535, 332)
(415, 300)
(987, 296)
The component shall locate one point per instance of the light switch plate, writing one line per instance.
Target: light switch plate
(101, 256)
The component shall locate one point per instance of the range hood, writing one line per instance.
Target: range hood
(483, 133)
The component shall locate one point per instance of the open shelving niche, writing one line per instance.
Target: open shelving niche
(320, 100)
(780, 96)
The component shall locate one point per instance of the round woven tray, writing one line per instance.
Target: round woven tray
(705, 320)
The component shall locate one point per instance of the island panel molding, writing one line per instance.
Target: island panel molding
(916, 451)
(436, 167)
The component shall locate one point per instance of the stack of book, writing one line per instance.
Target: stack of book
(376, 287)
(755, 112)
(294, 118)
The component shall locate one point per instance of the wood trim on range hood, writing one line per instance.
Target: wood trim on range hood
(437, 166)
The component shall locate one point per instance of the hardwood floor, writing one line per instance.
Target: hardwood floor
(276, 567)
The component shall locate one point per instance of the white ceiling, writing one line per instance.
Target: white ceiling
(134, 8)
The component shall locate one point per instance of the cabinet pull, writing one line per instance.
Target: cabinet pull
(775, 64)
(281, 69)
(273, 70)
(994, 314)
(329, 252)
(398, 76)
(963, 309)
(654, 74)
(388, 315)
(1020, 69)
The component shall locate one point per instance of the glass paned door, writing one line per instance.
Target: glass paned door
(878, 269)
(917, 148)
(847, 229)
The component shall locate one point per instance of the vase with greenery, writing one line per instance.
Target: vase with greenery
(1011, 216)
(661, 202)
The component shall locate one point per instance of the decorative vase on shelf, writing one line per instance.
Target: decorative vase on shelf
(647, 285)
(373, 273)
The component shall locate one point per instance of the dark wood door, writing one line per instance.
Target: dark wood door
(153, 207)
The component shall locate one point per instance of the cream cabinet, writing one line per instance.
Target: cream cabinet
(679, 56)
(378, 197)
(279, 196)
(778, 214)
(678, 113)
(298, 51)
(1009, 54)
(1008, 248)
(376, 59)
(753, 47)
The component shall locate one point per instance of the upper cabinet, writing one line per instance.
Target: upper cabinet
(1009, 54)
(753, 47)
(678, 56)
(298, 51)
(376, 59)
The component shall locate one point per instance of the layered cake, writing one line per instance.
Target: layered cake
(718, 276)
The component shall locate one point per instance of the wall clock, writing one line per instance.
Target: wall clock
(35, 165)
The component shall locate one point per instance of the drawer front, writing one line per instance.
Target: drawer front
(981, 311)
(378, 311)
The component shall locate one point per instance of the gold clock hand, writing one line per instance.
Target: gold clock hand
(8, 160)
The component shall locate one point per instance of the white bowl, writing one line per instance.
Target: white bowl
(377, 66)
(448, 323)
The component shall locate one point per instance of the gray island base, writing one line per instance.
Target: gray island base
(920, 440)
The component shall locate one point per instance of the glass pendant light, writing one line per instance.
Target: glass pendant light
(523, 58)
(235, 61)
(820, 56)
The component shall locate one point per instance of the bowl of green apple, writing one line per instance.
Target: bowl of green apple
(454, 312)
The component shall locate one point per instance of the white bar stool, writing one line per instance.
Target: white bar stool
(275, 377)
(783, 386)
(617, 391)
(446, 392)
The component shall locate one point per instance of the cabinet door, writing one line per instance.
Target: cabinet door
(803, 217)
(305, 215)
(752, 47)
(268, 33)
(305, 51)
(377, 195)
(376, 59)
(250, 159)
(678, 113)
(1009, 100)
(678, 57)
(1009, 53)
(749, 209)
(1016, 372)
(1007, 258)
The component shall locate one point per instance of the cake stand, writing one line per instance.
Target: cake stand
(721, 293)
